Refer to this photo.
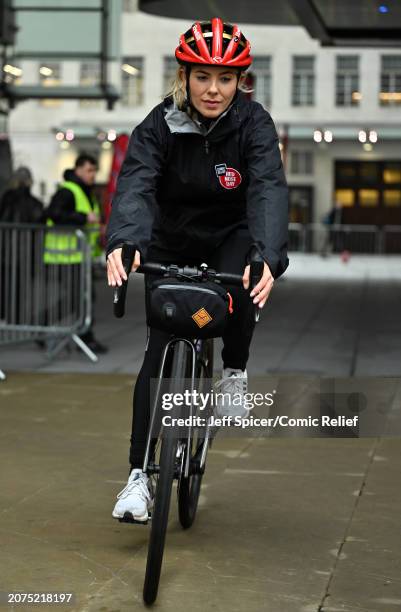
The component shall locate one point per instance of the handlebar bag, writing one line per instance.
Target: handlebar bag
(189, 309)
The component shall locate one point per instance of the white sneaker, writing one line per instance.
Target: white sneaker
(231, 389)
(135, 498)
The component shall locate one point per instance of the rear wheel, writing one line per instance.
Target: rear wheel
(167, 463)
(189, 488)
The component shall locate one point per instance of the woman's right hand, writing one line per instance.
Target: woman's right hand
(115, 269)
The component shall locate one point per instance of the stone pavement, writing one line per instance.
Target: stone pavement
(284, 524)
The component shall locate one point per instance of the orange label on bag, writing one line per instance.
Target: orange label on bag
(201, 317)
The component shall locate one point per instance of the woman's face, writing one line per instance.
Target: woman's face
(212, 89)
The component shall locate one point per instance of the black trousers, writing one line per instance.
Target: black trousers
(228, 257)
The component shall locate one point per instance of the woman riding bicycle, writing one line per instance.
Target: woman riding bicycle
(202, 181)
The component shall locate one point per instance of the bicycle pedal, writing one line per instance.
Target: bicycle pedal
(128, 518)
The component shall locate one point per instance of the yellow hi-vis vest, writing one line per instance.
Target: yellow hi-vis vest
(63, 248)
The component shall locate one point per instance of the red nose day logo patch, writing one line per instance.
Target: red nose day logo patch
(229, 178)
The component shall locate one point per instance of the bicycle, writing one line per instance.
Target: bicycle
(180, 454)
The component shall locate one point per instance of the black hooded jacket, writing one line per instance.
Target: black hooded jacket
(61, 209)
(184, 188)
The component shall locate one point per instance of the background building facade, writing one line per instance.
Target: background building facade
(336, 111)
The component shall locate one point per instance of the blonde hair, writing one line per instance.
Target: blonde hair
(178, 90)
(179, 93)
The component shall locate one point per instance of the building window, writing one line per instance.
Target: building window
(303, 80)
(261, 68)
(369, 173)
(392, 172)
(50, 76)
(345, 197)
(132, 81)
(90, 77)
(392, 197)
(301, 162)
(347, 80)
(169, 71)
(390, 80)
(369, 184)
(368, 197)
(130, 6)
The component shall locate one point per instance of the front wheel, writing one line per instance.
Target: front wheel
(167, 468)
(189, 488)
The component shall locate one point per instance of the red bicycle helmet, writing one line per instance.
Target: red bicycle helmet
(214, 43)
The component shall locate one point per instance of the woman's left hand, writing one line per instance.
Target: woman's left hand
(262, 290)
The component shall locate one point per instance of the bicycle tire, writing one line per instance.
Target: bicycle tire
(189, 488)
(161, 509)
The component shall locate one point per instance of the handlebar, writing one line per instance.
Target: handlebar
(201, 273)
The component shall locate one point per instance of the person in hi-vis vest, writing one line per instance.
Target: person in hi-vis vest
(75, 204)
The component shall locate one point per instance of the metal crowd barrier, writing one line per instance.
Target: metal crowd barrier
(50, 303)
(364, 239)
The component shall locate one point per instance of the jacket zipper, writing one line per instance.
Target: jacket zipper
(207, 146)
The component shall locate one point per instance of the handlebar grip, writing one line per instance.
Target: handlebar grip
(257, 266)
(256, 271)
(127, 257)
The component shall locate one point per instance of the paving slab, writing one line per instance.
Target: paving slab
(285, 524)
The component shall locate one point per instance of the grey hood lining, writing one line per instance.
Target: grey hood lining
(179, 122)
